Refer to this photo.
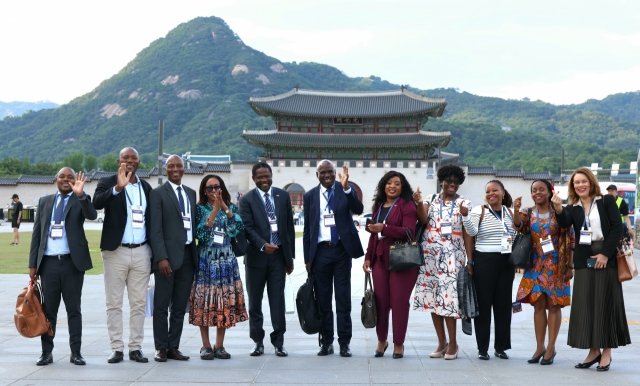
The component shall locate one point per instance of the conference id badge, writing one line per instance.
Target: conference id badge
(186, 220)
(329, 220)
(137, 218)
(506, 242)
(547, 245)
(274, 225)
(446, 228)
(218, 237)
(56, 230)
(585, 237)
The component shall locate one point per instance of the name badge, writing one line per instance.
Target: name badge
(329, 220)
(547, 245)
(218, 237)
(446, 228)
(56, 230)
(585, 237)
(186, 220)
(137, 217)
(506, 243)
(274, 225)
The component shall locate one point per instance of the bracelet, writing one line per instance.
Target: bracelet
(470, 263)
(82, 196)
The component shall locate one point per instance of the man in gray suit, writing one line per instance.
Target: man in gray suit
(60, 255)
(268, 223)
(172, 209)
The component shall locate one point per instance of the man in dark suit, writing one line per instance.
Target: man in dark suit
(125, 253)
(172, 216)
(330, 242)
(59, 255)
(268, 223)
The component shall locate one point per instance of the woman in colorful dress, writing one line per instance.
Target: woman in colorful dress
(445, 254)
(217, 297)
(546, 286)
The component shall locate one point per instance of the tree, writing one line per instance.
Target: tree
(13, 167)
(74, 161)
(109, 163)
(90, 162)
(45, 169)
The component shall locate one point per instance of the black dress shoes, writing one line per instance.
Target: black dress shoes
(537, 359)
(604, 368)
(586, 365)
(326, 349)
(161, 355)
(549, 361)
(501, 354)
(138, 356)
(116, 357)
(281, 352)
(258, 350)
(175, 354)
(378, 354)
(345, 351)
(45, 358)
(77, 359)
(483, 355)
(398, 356)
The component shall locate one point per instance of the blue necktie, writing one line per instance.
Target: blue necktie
(182, 209)
(334, 229)
(58, 215)
(271, 212)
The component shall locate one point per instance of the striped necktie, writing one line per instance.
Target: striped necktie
(271, 212)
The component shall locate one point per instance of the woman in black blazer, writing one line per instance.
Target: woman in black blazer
(598, 318)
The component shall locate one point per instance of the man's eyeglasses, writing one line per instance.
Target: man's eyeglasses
(210, 188)
(451, 181)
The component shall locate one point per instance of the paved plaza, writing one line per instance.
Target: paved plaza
(18, 355)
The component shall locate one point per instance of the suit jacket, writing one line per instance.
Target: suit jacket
(345, 205)
(610, 222)
(166, 235)
(403, 215)
(75, 213)
(115, 211)
(258, 231)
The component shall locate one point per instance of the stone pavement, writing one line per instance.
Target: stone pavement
(18, 355)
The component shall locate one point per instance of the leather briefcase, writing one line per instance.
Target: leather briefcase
(29, 318)
(405, 255)
(369, 314)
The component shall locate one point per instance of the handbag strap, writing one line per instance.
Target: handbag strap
(38, 288)
(407, 231)
(367, 281)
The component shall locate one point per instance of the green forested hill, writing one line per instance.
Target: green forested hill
(199, 77)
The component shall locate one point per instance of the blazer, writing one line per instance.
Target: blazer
(258, 231)
(166, 235)
(115, 211)
(611, 229)
(345, 206)
(402, 215)
(75, 213)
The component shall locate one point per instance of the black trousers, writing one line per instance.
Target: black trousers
(332, 268)
(61, 279)
(171, 290)
(273, 276)
(493, 278)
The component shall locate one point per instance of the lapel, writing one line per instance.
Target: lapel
(172, 196)
(315, 202)
(47, 208)
(258, 202)
(337, 197)
(603, 215)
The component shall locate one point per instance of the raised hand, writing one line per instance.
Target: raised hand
(123, 177)
(517, 204)
(417, 196)
(556, 200)
(78, 186)
(463, 209)
(344, 177)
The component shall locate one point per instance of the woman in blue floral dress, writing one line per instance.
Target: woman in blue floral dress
(217, 297)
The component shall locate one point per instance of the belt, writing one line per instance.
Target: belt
(59, 257)
(330, 244)
(133, 245)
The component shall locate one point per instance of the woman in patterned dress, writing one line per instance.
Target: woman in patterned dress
(546, 286)
(445, 254)
(217, 297)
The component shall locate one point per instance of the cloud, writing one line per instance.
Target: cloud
(631, 39)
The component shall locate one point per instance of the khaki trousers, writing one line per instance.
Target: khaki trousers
(130, 268)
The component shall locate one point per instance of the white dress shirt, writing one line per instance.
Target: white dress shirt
(325, 232)
(187, 208)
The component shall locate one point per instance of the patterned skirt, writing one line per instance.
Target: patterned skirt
(543, 277)
(217, 296)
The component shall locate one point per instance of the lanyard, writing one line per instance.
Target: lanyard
(139, 192)
(585, 222)
(501, 217)
(453, 205)
(538, 221)
(389, 211)
(327, 197)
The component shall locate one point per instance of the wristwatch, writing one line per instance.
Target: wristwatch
(228, 211)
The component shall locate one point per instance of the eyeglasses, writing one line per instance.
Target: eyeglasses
(210, 188)
(451, 181)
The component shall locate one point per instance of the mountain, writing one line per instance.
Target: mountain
(199, 77)
(16, 109)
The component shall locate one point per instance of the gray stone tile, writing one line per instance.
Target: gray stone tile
(389, 377)
(317, 375)
(97, 369)
(456, 377)
(197, 371)
(25, 382)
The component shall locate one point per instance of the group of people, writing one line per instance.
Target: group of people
(185, 242)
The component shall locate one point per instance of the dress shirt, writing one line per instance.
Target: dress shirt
(58, 246)
(135, 193)
(595, 225)
(187, 208)
(261, 195)
(325, 232)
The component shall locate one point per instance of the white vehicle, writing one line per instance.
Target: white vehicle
(362, 219)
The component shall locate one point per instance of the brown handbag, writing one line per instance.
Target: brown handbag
(624, 273)
(29, 318)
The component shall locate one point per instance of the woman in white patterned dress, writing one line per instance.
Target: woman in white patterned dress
(445, 254)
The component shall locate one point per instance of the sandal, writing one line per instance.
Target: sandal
(221, 353)
(206, 354)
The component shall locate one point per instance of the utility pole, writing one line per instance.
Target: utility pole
(160, 145)
(562, 168)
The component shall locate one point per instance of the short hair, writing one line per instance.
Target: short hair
(259, 165)
(325, 161)
(451, 171)
(594, 186)
(65, 167)
(128, 147)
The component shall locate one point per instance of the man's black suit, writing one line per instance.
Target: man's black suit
(261, 268)
(166, 237)
(62, 278)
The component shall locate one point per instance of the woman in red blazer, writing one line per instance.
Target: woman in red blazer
(394, 214)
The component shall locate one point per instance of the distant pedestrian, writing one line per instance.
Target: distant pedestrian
(16, 218)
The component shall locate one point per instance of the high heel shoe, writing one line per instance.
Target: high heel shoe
(605, 368)
(398, 356)
(548, 361)
(378, 354)
(537, 359)
(453, 356)
(586, 365)
(439, 354)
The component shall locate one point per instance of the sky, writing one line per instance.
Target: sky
(562, 52)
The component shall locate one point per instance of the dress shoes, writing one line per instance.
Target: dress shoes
(501, 354)
(398, 356)
(161, 355)
(549, 361)
(537, 359)
(378, 354)
(280, 351)
(483, 355)
(175, 354)
(45, 358)
(439, 354)
(450, 357)
(345, 351)
(326, 349)
(138, 356)
(77, 359)
(258, 350)
(116, 357)
(604, 368)
(586, 365)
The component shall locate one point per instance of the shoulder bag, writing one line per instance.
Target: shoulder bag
(521, 254)
(369, 315)
(307, 306)
(405, 255)
(239, 244)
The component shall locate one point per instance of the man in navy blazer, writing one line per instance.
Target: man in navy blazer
(330, 241)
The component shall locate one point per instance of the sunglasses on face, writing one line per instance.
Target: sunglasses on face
(451, 181)
(210, 188)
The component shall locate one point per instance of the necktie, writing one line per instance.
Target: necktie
(58, 215)
(181, 200)
(334, 229)
(271, 212)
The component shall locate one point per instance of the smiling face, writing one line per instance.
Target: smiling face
(393, 188)
(581, 185)
(493, 194)
(540, 193)
(263, 179)
(211, 188)
(326, 174)
(450, 186)
(129, 156)
(65, 180)
(175, 169)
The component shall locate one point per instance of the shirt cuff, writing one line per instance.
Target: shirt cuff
(114, 191)
(348, 191)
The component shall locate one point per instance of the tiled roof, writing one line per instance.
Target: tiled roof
(273, 137)
(8, 181)
(295, 188)
(218, 168)
(143, 173)
(195, 170)
(310, 103)
(96, 175)
(502, 173)
(538, 176)
(36, 179)
(482, 170)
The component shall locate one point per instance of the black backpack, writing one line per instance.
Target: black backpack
(307, 307)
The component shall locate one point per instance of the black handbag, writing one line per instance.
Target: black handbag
(239, 244)
(369, 314)
(521, 256)
(405, 255)
(307, 306)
